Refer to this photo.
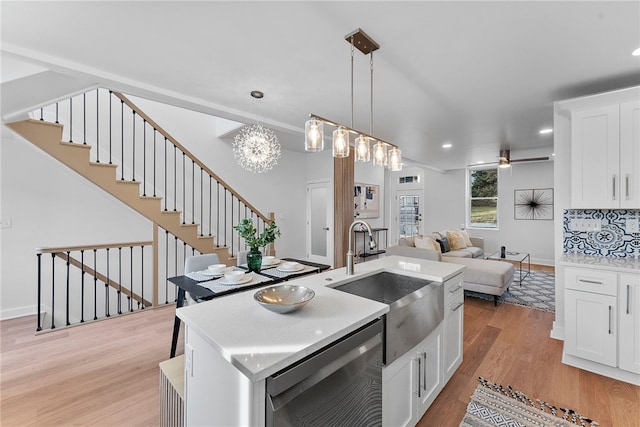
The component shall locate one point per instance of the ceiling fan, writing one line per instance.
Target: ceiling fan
(504, 160)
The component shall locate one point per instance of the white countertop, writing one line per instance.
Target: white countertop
(623, 265)
(260, 342)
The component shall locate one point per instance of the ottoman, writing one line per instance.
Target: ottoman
(485, 276)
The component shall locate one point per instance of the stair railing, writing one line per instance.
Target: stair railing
(79, 284)
(121, 133)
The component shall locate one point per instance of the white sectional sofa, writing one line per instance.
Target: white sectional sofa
(484, 276)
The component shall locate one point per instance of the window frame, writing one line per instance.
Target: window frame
(468, 222)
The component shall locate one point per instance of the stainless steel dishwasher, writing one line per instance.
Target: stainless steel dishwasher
(339, 385)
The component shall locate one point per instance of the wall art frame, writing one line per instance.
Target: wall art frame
(533, 204)
(366, 200)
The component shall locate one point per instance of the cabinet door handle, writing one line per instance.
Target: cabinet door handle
(325, 228)
(595, 282)
(628, 297)
(419, 372)
(457, 307)
(610, 308)
(614, 187)
(424, 371)
(456, 289)
(626, 186)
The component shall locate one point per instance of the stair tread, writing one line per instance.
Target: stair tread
(75, 144)
(120, 181)
(109, 165)
(151, 197)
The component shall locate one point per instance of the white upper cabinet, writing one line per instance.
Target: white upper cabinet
(605, 157)
(630, 155)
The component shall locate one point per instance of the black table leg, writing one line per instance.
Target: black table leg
(176, 323)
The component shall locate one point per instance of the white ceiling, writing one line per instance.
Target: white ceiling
(480, 75)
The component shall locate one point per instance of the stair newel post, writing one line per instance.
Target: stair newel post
(97, 125)
(144, 157)
(217, 214)
(84, 118)
(95, 284)
(39, 325)
(82, 273)
(71, 119)
(271, 248)
(175, 177)
(225, 216)
(131, 272)
(166, 195)
(184, 192)
(166, 266)
(154, 162)
(110, 125)
(53, 289)
(106, 289)
(193, 191)
(133, 147)
(67, 296)
(122, 140)
(142, 275)
(210, 194)
(155, 264)
(119, 286)
(201, 207)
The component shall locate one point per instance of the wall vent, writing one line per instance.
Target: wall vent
(409, 179)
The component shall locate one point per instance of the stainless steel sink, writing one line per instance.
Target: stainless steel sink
(416, 308)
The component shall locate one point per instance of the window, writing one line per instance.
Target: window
(483, 200)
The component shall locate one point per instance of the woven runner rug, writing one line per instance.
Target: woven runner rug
(493, 405)
(538, 290)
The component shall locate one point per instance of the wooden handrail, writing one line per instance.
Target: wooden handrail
(103, 278)
(47, 250)
(188, 153)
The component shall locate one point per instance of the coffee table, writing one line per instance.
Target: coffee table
(519, 257)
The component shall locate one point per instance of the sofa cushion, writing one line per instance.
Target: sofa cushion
(475, 252)
(462, 253)
(484, 272)
(467, 239)
(407, 241)
(409, 252)
(456, 240)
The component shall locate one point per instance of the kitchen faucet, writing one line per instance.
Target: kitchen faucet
(372, 243)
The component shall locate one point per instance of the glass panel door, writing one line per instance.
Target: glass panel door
(320, 223)
(409, 213)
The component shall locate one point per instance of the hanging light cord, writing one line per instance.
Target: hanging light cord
(371, 120)
(352, 81)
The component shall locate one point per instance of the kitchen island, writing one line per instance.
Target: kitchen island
(232, 344)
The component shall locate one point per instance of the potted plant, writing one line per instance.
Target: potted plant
(250, 235)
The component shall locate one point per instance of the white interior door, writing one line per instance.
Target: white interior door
(320, 222)
(409, 207)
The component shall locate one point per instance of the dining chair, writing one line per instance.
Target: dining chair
(242, 257)
(191, 264)
(199, 263)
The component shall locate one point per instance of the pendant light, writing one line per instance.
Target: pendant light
(380, 154)
(394, 161)
(340, 142)
(363, 150)
(313, 135)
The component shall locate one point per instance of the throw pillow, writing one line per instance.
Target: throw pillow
(456, 240)
(444, 245)
(426, 242)
(467, 238)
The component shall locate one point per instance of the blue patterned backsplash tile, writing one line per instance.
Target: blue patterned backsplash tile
(612, 240)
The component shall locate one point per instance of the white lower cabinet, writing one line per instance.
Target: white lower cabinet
(412, 382)
(629, 312)
(602, 322)
(453, 332)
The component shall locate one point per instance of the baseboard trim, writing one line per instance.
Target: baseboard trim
(604, 370)
(13, 313)
(557, 332)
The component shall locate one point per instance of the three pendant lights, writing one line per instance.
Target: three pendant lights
(383, 153)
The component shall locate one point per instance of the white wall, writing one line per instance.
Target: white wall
(50, 205)
(446, 203)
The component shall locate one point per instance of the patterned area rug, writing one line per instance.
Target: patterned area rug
(493, 405)
(538, 290)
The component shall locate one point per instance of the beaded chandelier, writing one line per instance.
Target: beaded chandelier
(256, 148)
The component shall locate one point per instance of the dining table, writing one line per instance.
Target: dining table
(202, 288)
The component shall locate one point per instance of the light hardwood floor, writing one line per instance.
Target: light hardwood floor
(106, 373)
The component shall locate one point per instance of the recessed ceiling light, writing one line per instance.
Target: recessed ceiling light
(553, 154)
(546, 130)
(479, 162)
(636, 52)
(447, 145)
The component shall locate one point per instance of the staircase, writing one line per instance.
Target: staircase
(48, 137)
(122, 132)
